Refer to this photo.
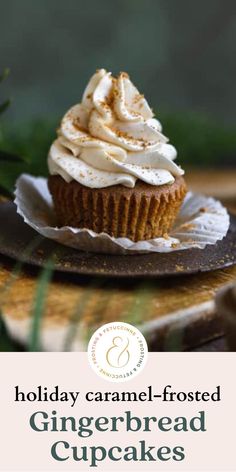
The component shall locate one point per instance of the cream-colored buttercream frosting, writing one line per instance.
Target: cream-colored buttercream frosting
(112, 138)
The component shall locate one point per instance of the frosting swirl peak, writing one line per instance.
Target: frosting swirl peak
(112, 137)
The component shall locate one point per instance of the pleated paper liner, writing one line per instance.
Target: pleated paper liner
(201, 221)
(141, 213)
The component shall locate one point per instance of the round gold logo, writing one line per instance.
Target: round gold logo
(117, 351)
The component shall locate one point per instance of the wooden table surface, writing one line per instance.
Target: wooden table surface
(94, 302)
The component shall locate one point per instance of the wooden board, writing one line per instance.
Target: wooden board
(177, 314)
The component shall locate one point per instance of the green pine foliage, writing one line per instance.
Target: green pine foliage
(23, 148)
(199, 141)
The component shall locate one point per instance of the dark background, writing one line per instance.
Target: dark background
(180, 53)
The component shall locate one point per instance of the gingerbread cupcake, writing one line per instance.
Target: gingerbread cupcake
(111, 168)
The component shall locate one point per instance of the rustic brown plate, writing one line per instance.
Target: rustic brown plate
(20, 242)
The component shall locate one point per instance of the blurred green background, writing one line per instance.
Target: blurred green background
(181, 54)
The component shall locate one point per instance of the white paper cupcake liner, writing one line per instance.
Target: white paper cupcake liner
(201, 221)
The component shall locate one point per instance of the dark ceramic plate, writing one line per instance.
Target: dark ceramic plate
(19, 241)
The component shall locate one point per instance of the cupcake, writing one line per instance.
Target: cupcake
(111, 168)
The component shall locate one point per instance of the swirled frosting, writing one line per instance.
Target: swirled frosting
(111, 138)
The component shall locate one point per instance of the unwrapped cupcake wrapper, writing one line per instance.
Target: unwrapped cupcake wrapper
(201, 221)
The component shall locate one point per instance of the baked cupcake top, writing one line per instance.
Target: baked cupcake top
(111, 138)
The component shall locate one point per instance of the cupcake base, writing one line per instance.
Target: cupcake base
(140, 213)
